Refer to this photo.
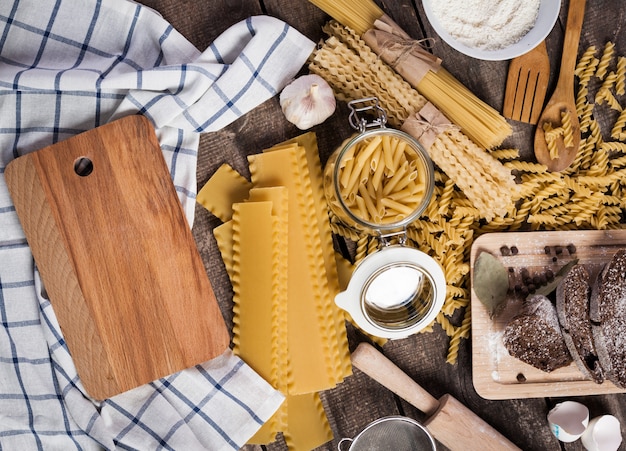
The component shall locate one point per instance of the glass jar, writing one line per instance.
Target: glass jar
(397, 290)
(381, 179)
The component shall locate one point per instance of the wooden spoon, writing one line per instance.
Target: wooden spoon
(562, 99)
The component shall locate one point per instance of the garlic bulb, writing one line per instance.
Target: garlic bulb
(307, 101)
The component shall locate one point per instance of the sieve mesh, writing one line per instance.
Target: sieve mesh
(393, 434)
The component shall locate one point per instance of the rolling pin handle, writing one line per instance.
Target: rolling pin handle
(373, 363)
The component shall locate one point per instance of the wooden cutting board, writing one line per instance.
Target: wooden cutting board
(497, 375)
(117, 256)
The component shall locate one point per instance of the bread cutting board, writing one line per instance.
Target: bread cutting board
(496, 374)
(117, 257)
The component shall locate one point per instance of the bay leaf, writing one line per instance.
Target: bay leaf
(491, 282)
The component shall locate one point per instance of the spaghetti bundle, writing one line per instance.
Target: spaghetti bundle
(479, 121)
(358, 15)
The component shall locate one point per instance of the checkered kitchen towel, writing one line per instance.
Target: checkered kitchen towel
(67, 66)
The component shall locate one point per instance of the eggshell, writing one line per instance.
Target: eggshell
(602, 434)
(568, 420)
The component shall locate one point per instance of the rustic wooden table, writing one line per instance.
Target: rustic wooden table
(359, 400)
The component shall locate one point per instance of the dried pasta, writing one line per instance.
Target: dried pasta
(619, 162)
(526, 166)
(460, 332)
(445, 323)
(609, 82)
(618, 126)
(606, 96)
(566, 123)
(620, 82)
(362, 246)
(585, 60)
(585, 117)
(552, 134)
(581, 100)
(605, 60)
(504, 154)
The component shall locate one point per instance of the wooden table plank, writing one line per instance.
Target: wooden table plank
(359, 400)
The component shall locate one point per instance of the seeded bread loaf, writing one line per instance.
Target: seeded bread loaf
(608, 317)
(534, 336)
(572, 306)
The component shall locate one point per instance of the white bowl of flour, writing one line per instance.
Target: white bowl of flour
(492, 29)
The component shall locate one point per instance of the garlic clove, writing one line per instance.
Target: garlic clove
(307, 101)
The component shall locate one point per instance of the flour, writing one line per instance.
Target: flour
(486, 24)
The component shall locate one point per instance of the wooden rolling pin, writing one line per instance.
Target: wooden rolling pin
(449, 421)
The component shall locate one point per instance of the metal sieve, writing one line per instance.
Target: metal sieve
(394, 433)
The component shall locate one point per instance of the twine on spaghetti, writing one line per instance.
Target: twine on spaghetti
(427, 124)
(403, 53)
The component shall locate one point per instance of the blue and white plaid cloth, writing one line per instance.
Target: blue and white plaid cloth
(67, 66)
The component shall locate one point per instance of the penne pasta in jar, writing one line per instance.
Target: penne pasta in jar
(379, 180)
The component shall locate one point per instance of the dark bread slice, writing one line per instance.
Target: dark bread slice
(608, 316)
(534, 335)
(572, 307)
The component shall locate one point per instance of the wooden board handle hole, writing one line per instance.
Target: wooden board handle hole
(83, 166)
